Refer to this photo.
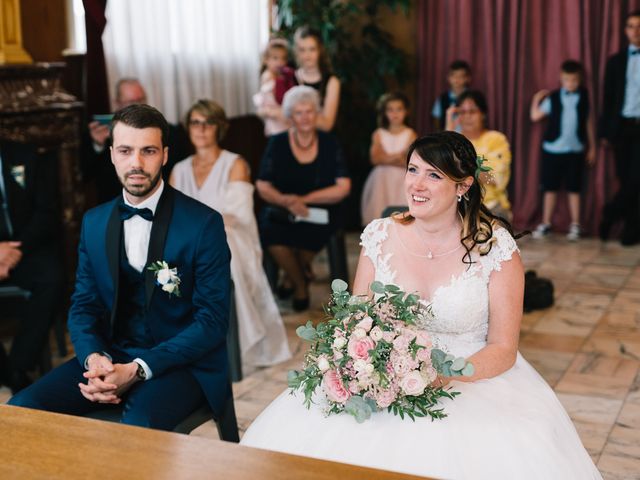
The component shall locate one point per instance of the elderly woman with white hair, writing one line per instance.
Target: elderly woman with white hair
(303, 177)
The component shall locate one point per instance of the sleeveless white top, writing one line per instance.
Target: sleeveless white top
(263, 340)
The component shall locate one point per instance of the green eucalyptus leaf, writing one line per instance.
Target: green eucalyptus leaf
(468, 370)
(339, 285)
(377, 287)
(458, 364)
(307, 332)
(359, 408)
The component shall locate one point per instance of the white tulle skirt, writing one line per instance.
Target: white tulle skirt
(508, 427)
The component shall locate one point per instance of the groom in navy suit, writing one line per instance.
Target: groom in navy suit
(153, 341)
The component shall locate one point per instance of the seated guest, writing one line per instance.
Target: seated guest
(303, 177)
(96, 160)
(149, 315)
(221, 180)
(29, 257)
(469, 117)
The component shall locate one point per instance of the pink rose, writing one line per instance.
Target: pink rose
(402, 362)
(359, 347)
(385, 397)
(388, 336)
(354, 387)
(366, 323)
(423, 339)
(424, 355)
(333, 387)
(401, 343)
(413, 383)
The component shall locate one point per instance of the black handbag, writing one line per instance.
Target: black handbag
(538, 292)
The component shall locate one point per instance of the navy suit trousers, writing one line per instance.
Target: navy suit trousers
(160, 403)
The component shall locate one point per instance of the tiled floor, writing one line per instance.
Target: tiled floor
(587, 346)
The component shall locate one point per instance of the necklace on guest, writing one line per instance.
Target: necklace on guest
(296, 140)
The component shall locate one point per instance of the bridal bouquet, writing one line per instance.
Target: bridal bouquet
(371, 354)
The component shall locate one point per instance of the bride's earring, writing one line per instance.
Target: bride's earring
(459, 198)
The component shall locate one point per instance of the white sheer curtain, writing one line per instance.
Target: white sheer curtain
(184, 50)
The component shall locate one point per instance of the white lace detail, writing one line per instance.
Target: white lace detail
(371, 240)
(460, 307)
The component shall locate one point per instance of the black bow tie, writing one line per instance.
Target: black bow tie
(126, 212)
(634, 52)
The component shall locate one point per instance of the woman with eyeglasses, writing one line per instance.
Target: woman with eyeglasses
(469, 117)
(221, 179)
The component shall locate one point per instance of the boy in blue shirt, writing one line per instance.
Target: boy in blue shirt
(459, 79)
(568, 143)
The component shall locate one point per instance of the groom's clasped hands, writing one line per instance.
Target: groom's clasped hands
(107, 381)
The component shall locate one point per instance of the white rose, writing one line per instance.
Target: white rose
(369, 368)
(323, 364)
(164, 276)
(360, 365)
(376, 334)
(174, 275)
(168, 287)
(339, 342)
(413, 383)
(359, 333)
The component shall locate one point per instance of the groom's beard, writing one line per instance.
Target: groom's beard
(140, 190)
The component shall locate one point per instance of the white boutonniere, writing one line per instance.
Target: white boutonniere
(166, 277)
(17, 172)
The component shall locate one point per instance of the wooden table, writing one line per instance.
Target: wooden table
(37, 444)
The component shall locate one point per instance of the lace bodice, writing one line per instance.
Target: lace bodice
(460, 307)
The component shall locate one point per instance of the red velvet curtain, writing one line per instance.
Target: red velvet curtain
(515, 48)
(97, 89)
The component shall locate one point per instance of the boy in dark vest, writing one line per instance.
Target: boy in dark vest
(459, 79)
(568, 142)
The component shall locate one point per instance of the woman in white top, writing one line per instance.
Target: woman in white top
(221, 180)
(389, 145)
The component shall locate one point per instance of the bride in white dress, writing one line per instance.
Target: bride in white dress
(507, 423)
(221, 180)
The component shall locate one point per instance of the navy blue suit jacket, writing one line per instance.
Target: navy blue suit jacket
(615, 80)
(188, 331)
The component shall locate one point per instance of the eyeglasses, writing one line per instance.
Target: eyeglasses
(471, 111)
(200, 123)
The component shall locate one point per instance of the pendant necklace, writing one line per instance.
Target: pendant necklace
(430, 255)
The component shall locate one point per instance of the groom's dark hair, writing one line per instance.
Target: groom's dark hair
(142, 116)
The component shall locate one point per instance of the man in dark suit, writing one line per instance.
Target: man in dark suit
(149, 336)
(620, 128)
(29, 228)
(96, 161)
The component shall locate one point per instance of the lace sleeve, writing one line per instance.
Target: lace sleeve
(502, 250)
(372, 237)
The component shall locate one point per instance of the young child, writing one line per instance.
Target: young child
(275, 80)
(568, 142)
(459, 78)
(389, 144)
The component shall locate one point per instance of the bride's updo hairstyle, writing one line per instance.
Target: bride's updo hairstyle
(454, 156)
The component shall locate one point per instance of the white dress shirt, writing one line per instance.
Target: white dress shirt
(137, 232)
